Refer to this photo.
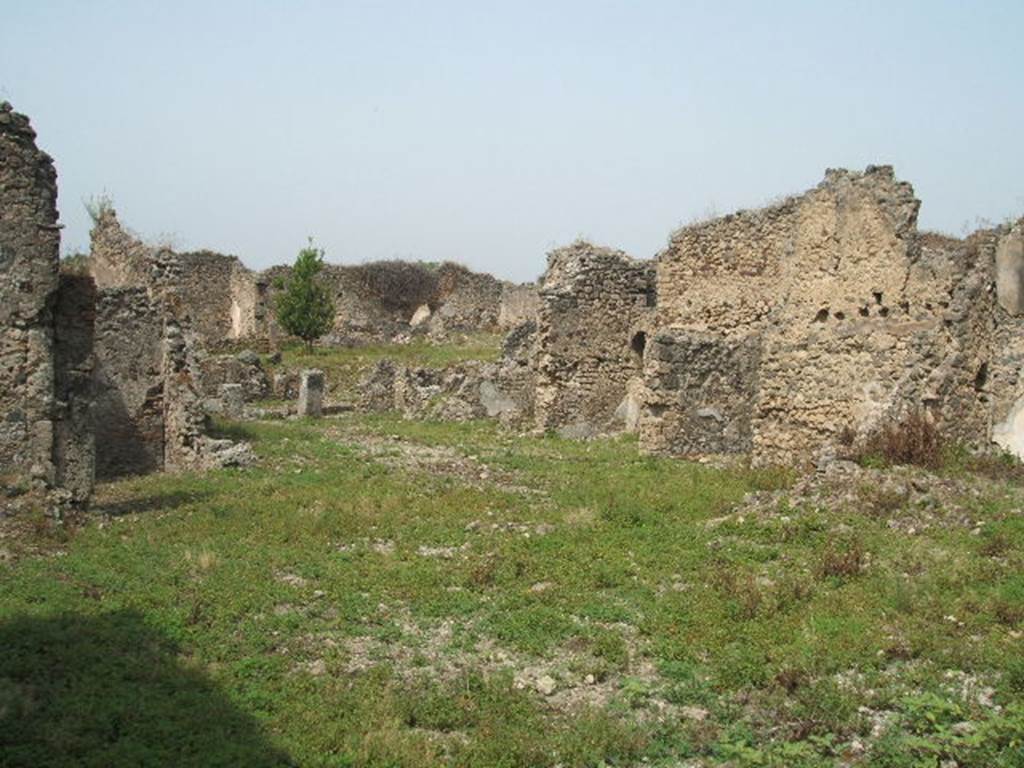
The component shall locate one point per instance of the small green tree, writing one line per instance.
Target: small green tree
(305, 308)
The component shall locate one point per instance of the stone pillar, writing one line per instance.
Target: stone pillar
(232, 400)
(311, 393)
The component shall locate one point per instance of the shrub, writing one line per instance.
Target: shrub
(398, 285)
(914, 440)
(305, 308)
(75, 264)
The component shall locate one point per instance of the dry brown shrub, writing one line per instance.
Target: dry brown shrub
(914, 440)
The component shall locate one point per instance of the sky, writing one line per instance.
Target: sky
(490, 133)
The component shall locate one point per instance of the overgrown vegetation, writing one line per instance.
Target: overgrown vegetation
(97, 206)
(305, 308)
(398, 285)
(388, 593)
(914, 440)
(75, 264)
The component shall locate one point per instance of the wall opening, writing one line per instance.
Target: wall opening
(638, 345)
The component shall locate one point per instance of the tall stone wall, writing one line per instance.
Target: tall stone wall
(858, 319)
(29, 255)
(592, 326)
(221, 298)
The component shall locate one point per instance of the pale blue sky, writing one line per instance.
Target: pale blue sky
(489, 133)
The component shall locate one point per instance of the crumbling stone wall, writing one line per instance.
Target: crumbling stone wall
(244, 369)
(129, 383)
(117, 258)
(1001, 382)
(858, 319)
(699, 393)
(29, 255)
(519, 304)
(466, 300)
(219, 296)
(460, 392)
(74, 449)
(595, 309)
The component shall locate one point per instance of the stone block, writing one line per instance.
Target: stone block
(311, 393)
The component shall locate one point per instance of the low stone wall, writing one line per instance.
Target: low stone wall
(471, 390)
(244, 369)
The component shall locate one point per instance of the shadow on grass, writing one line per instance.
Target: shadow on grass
(157, 502)
(108, 690)
(231, 430)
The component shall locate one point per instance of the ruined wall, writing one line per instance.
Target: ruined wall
(1002, 381)
(699, 393)
(129, 383)
(519, 304)
(74, 450)
(219, 296)
(466, 300)
(117, 259)
(595, 306)
(859, 318)
(29, 254)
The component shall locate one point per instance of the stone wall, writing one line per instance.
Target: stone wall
(595, 309)
(519, 304)
(117, 258)
(29, 255)
(466, 300)
(219, 296)
(129, 383)
(699, 393)
(860, 319)
(74, 449)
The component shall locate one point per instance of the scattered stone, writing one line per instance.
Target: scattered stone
(546, 685)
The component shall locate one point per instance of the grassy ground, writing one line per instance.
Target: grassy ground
(343, 366)
(388, 593)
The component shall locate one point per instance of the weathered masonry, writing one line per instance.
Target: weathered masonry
(93, 381)
(784, 332)
(595, 304)
(44, 361)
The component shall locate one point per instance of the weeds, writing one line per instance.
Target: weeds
(915, 440)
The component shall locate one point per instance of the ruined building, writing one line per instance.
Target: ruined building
(94, 380)
(595, 309)
(781, 332)
(227, 302)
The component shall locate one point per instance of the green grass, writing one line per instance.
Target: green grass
(343, 366)
(336, 608)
